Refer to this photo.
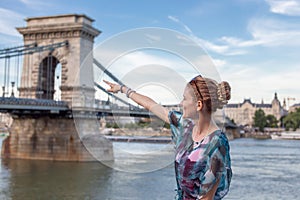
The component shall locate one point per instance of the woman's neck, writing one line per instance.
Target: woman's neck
(203, 127)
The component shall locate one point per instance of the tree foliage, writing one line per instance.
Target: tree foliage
(292, 120)
(260, 119)
(271, 121)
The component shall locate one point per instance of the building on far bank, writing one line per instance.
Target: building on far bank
(243, 113)
(294, 107)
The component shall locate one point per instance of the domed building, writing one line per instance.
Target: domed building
(243, 113)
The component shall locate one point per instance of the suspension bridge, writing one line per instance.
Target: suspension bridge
(48, 84)
(47, 98)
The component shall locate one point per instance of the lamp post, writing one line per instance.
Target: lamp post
(12, 89)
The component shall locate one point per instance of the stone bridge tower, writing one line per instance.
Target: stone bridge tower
(57, 136)
(68, 67)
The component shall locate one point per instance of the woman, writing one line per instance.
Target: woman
(202, 164)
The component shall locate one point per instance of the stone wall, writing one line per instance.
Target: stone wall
(45, 138)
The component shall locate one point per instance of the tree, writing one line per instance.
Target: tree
(260, 119)
(292, 120)
(271, 121)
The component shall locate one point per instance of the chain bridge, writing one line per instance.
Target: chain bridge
(49, 90)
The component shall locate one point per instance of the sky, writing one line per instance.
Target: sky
(253, 44)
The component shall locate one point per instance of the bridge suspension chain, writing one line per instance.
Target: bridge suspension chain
(29, 49)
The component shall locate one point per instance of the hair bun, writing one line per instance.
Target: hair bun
(224, 93)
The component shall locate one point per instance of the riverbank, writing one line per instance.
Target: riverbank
(257, 135)
(142, 139)
(144, 132)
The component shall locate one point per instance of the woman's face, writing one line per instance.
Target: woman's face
(188, 104)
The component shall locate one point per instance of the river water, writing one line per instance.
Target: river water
(262, 169)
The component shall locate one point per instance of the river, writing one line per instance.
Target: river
(262, 169)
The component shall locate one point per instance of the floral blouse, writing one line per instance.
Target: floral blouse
(198, 167)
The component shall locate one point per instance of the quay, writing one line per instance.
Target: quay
(139, 139)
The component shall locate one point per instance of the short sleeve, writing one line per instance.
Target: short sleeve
(218, 169)
(175, 119)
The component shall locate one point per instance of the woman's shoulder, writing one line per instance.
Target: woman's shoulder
(175, 117)
(218, 137)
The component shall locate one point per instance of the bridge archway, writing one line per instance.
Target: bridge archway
(38, 78)
(49, 79)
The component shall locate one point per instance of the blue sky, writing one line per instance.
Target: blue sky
(255, 44)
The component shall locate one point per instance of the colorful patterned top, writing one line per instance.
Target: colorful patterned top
(199, 167)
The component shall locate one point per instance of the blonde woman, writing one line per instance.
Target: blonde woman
(202, 163)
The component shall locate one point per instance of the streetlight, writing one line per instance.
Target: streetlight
(12, 89)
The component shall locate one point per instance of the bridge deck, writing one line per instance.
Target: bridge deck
(23, 106)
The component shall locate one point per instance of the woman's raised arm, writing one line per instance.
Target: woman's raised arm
(140, 99)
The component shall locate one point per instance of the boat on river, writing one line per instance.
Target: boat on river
(286, 136)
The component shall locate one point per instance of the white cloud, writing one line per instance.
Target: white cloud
(285, 7)
(131, 61)
(219, 63)
(267, 32)
(264, 32)
(258, 83)
(9, 20)
(36, 4)
(222, 49)
(237, 42)
(271, 32)
(154, 68)
(174, 19)
(218, 48)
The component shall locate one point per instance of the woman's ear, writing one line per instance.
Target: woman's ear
(199, 105)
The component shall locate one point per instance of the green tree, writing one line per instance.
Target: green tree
(292, 120)
(271, 121)
(260, 119)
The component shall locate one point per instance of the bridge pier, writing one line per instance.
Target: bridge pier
(47, 138)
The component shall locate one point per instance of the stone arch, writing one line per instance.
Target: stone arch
(79, 33)
(46, 77)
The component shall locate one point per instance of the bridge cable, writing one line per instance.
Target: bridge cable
(47, 75)
(50, 77)
(17, 71)
(30, 74)
(107, 72)
(115, 97)
(98, 64)
(40, 72)
(40, 77)
(8, 75)
(27, 77)
(4, 81)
